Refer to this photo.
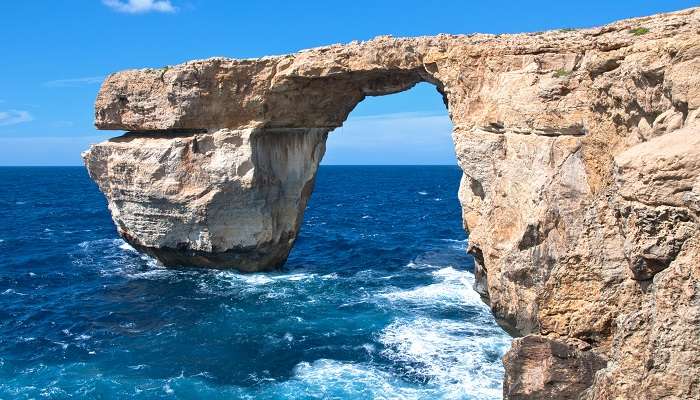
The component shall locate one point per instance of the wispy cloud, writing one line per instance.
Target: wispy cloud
(400, 138)
(12, 117)
(397, 129)
(140, 6)
(75, 82)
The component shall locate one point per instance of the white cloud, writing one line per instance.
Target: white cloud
(12, 117)
(140, 6)
(75, 82)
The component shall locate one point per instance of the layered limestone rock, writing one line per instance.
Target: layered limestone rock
(224, 198)
(580, 189)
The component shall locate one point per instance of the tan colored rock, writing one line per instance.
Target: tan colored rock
(226, 199)
(580, 189)
(655, 349)
(541, 368)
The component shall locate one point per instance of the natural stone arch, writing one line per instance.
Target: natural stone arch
(549, 130)
(269, 163)
(245, 213)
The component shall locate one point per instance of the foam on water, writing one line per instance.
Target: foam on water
(379, 310)
(452, 288)
(10, 292)
(127, 247)
(461, 358)
(335, 379)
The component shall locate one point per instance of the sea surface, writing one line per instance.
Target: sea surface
(375, 301)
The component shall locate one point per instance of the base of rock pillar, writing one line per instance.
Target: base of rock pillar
(256, 259)
(540, 368)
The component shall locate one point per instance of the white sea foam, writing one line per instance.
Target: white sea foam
(261, 278)
(12, 291)
(234, 278)
(326, 378)
(421, 265)
(455, 240)
(127, 247)
(423, 193)
(124, 260)
(152, 274)
(335, 379)
(369, 348)
(446, 354)
(63, 345)
(225, 283)
(457, 244)
(452, 288)
(255, 279)
(100, 244)
(458, 358)
(294, 277)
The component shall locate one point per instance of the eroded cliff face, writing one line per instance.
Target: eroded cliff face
(580, 192)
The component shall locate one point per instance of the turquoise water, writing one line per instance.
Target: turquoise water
(375, 300)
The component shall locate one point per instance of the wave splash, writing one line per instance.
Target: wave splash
(379, 307)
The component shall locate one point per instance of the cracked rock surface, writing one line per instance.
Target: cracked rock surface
(580, 153)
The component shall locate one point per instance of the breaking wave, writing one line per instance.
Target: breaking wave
(377, 308)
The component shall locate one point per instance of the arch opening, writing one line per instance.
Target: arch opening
(410, 127)
(389, 251)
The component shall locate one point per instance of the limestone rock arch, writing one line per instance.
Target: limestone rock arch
(580, 182)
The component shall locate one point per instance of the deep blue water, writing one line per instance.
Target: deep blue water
(374, 302)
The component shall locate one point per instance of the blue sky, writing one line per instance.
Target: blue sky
(55, 54)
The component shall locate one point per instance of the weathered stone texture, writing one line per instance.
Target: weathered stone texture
(580, 191)
(541, 368)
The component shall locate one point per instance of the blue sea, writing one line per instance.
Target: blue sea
(375, 301)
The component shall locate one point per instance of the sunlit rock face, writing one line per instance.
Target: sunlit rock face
(580, 189)
(223, 199)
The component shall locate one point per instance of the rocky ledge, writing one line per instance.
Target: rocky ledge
(580, 192)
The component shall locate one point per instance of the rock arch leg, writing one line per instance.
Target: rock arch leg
(222, 198)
